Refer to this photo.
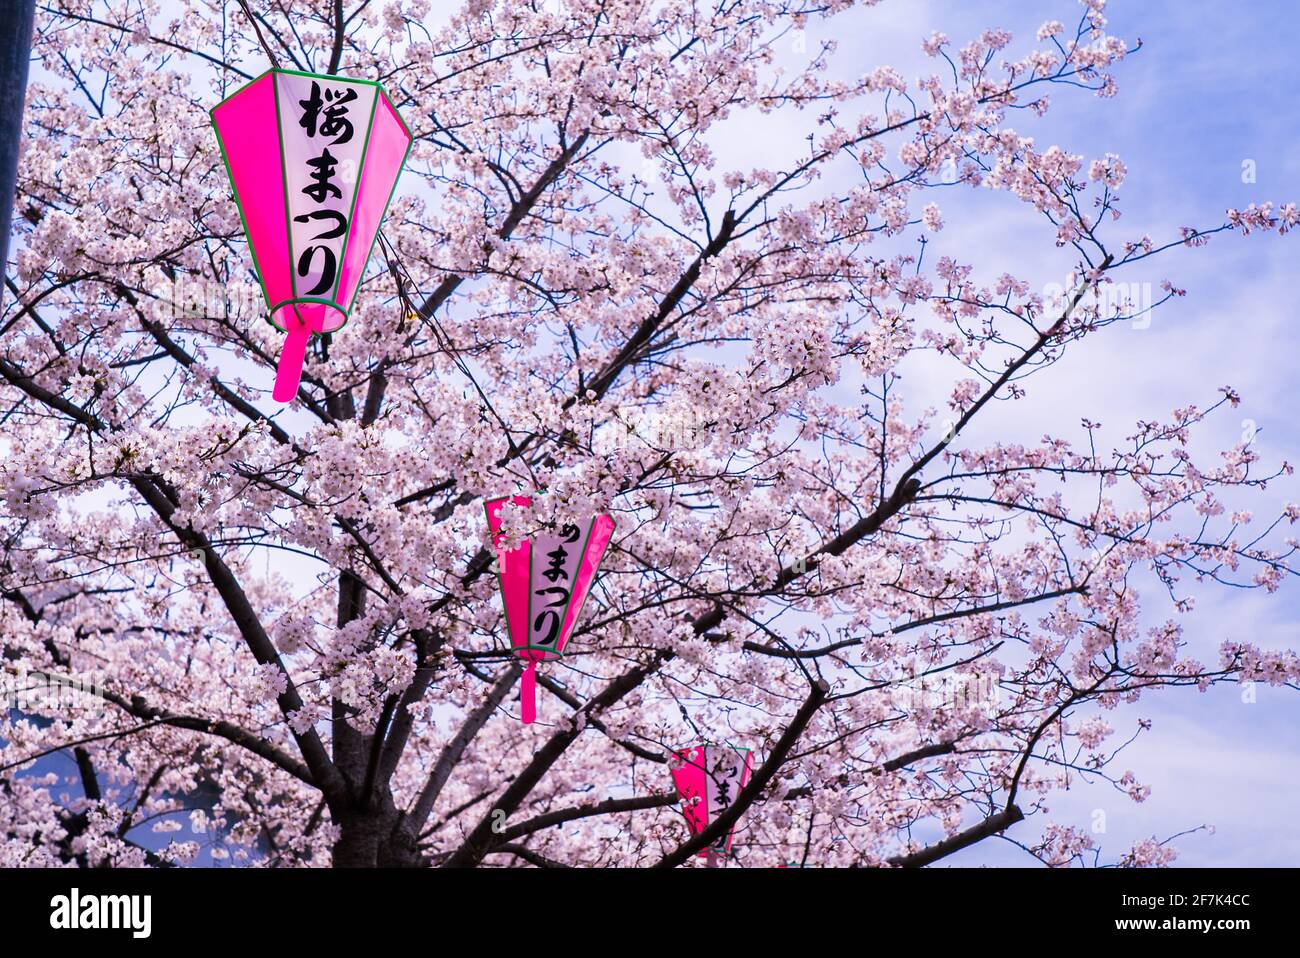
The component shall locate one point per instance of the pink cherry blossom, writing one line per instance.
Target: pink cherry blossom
(584, 293)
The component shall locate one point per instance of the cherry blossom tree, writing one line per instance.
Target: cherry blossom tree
(282, 622)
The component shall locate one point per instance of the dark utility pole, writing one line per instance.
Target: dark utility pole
(16, 18)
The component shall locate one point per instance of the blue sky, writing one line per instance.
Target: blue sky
(1213, 86)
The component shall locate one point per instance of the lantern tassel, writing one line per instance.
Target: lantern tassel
(528, 693)
(289, 373)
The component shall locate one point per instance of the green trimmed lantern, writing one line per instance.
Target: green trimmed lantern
(314, 161)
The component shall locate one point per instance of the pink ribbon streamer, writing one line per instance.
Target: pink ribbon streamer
(528, 693)
(289, 372)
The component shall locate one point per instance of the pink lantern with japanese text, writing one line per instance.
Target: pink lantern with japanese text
(708, 779)
(314, 161)
(544, 582)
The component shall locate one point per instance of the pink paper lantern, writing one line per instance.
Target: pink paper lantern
(708, 779)
(314, 161)
(544, 582)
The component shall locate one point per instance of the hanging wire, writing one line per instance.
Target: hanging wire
(266, 48)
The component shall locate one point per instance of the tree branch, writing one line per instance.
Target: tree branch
(721, 825)
(977, 833)
(609, 806)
